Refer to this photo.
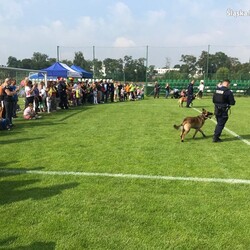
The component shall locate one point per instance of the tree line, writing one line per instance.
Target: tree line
(210, 66)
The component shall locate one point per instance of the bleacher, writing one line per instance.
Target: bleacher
(239, 87)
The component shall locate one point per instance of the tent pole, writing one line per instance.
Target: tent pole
(93, 62)
(57, 53)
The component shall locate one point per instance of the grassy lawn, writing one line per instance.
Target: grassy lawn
(94, 212)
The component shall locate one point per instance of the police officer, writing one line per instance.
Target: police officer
(62, 91)
(223, 99)
(190, 93)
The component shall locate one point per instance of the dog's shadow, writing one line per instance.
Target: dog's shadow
(202, 137)
(236, 138)
(224, 139)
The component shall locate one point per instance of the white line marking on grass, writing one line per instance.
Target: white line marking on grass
(229, 131)
(128, 176)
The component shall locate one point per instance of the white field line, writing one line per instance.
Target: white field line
(127, 176)
(229, 131)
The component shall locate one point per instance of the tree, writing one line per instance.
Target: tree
(189, 66)
(113, 68)
(134, 70)
(13, 62)
(79, 60)
(26, 63)
(168, 63)
(39, 61)
(243, 72)
(177, 75)
(68, 62)
(222, 73)
(51, 61)
(140, 69)
(96, 68)
(220, 59)
(151, 72)
(215, 62)
(201, 63)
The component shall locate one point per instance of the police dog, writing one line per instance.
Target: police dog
(193, 122)
(181, 100)
(184, 99)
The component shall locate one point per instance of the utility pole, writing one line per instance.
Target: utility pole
(93, 62)
(146, 75)
(208, 50)
(57, 53)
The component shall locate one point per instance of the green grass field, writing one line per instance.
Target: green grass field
(42, 210)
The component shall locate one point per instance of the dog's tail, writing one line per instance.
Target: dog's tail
(177, 127)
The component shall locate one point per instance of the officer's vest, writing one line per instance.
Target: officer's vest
(219, 97)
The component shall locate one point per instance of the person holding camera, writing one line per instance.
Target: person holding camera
(29, 93)
(223, 99)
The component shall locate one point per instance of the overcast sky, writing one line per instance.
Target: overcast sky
(117, 28)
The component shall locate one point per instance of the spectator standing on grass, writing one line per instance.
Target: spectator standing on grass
(127, 91)
(1, 100)
(36, 97)
(84, 92)
(116, 92)
(8, 94)
(78, 94)
(106, 91)
(112, 91)
(131, 92)
(95, 93)
(29, 93)
(142, 93)
(51, 97)
(15, 98)
(156, 90)
(62, 91)
(190, 93)
(119, 91)
(167, 89)
(42, 97)
(201, 89)
(223, 99)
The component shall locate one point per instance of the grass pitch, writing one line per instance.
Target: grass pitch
(83, 212)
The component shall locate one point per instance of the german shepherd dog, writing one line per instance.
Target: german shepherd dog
(193, 122)
(184, 99)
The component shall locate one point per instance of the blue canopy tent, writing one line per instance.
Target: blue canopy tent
(57, 70)
(36, 76)
(61, 70)
(84, 73)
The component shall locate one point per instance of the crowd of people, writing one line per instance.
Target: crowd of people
(176, 93)
(60, 94)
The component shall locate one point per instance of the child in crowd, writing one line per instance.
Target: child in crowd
(78, 94)
(95, 95)
(42, 97)
(29, 113)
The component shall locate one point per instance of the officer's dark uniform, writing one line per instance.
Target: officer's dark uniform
(223, 98)
(190, 93)
(62, 95)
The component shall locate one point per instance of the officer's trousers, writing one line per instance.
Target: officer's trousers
(189, 100)
(221, 122)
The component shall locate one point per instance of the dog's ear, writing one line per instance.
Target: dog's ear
(203, 110)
